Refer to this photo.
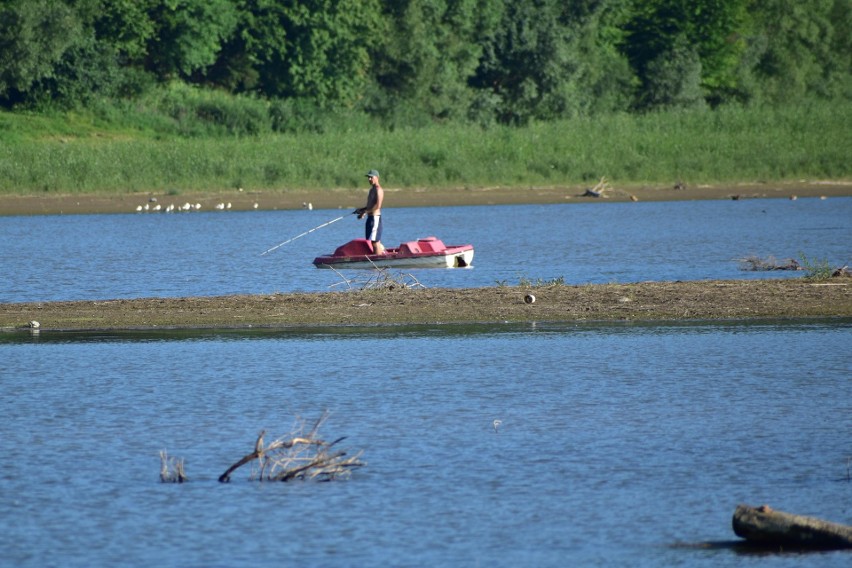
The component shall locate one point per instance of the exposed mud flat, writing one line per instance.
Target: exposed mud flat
(645, 301)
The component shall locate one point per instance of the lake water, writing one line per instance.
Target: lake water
(619, 443)
(80, 257)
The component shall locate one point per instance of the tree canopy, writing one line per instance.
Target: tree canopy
(410, 61)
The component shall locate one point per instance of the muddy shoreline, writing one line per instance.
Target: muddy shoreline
(347, 199)
(645, 301)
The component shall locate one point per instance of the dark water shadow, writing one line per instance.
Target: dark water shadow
(433, 330)
(755, 549)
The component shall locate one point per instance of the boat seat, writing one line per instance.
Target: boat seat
(355, 247)
(431, 244)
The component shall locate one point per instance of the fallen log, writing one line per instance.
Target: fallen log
(766, 527)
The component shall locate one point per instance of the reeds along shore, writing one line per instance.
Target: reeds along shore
(53, 155)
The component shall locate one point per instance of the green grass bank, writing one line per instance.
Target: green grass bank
(85, 153)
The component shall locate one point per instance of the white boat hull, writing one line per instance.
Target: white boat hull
(456, 260)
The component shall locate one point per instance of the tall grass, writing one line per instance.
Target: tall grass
(83, 154)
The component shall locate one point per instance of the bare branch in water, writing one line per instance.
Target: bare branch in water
(299, 455)
(171, 469)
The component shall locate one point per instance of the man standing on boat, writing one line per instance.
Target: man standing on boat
(373, 211)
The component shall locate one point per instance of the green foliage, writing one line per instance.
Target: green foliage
(133, 147)
(816, 270)
(86, 71)
(414, 63)
(551, 59)
(801, 48)
(526, 282)
(328, 58)
(124, 25)
(306, 49)
(34, 34)
(204, 112)
(188, 35)
(673, 78)
(299, 116)
(540, 283)
(424, 57)
(678, 47)
(529, 62)
(252, 58)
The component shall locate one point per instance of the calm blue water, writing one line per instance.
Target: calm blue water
(617, 443)
(205, 254)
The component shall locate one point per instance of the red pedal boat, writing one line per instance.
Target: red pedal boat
(428, 252)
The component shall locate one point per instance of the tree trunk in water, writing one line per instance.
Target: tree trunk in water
(762, 525)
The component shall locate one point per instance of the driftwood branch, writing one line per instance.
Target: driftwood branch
(302, 455)
(755, 263)
(603, 188)
(246, 459)
(380, 278)
(766, 527)
(599, 190)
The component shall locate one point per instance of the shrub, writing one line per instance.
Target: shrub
(200, 112)
(816, 270)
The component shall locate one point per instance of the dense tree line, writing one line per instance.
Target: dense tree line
(508, 61)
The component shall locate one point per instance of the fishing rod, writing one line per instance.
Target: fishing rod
(305, 233)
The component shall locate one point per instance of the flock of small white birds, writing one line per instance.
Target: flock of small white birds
(153, 207)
